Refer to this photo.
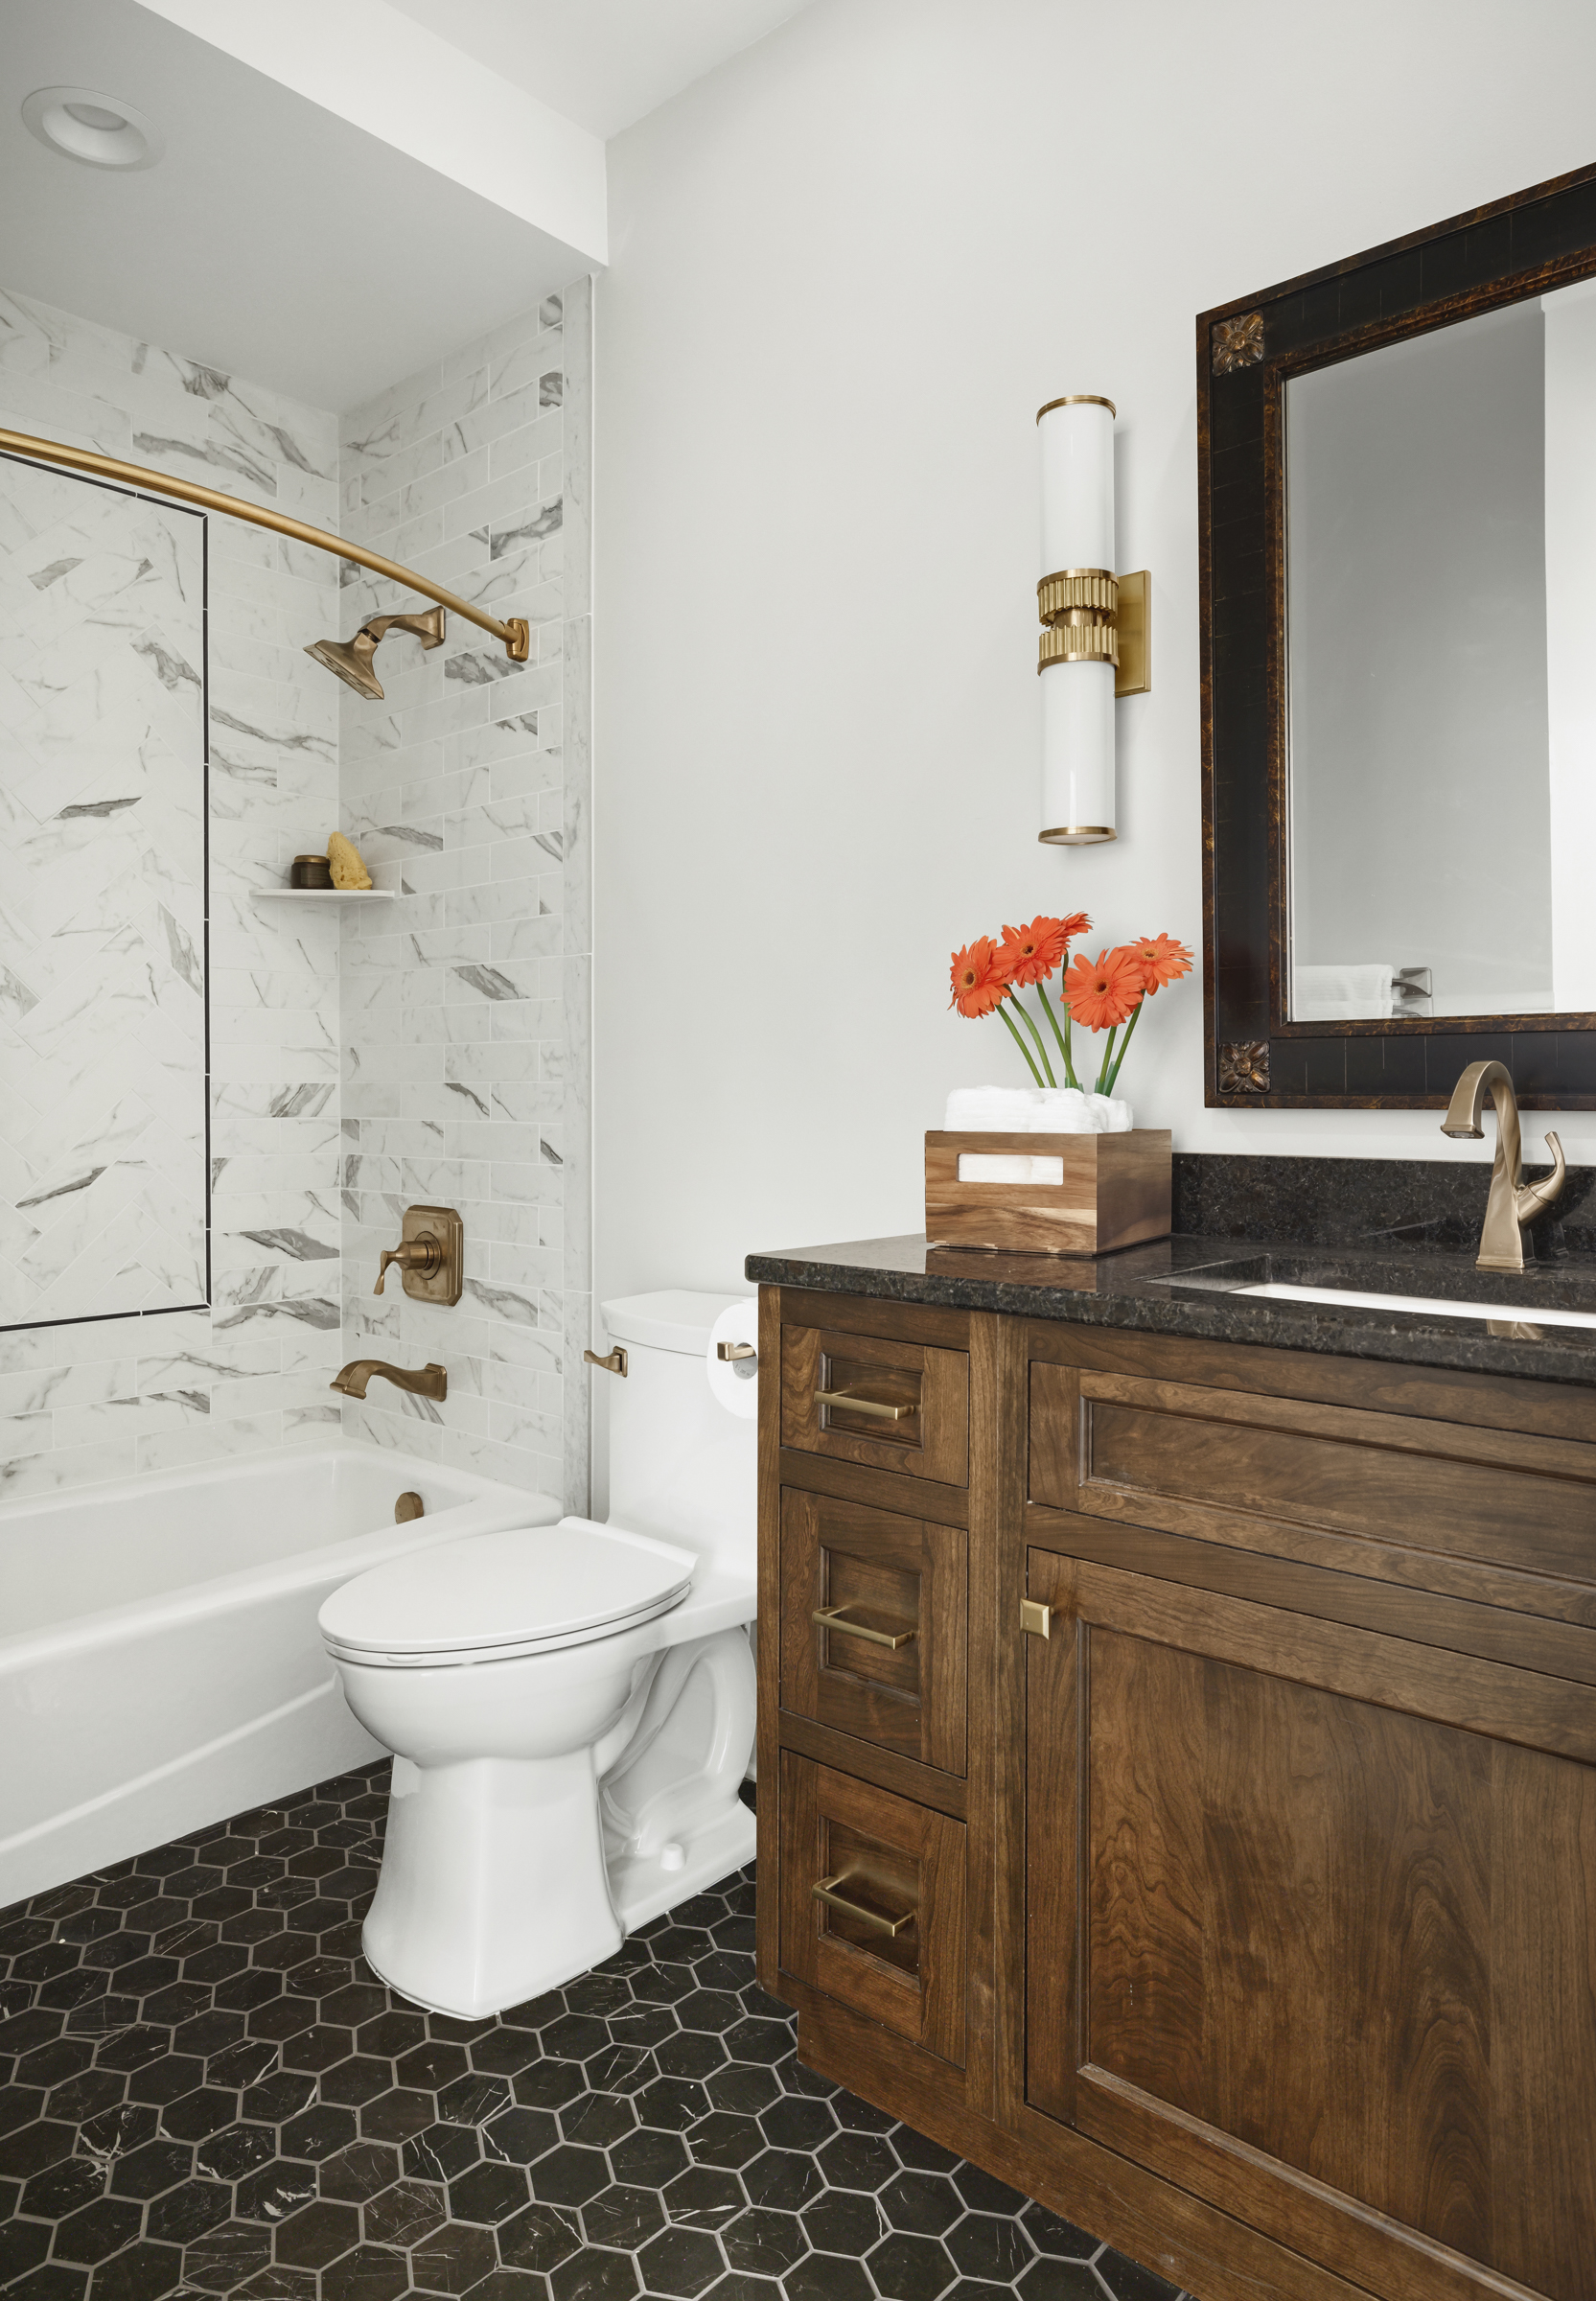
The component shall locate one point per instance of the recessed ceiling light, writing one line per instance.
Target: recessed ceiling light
(84, 124)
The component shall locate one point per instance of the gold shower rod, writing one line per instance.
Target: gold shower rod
(514, 633)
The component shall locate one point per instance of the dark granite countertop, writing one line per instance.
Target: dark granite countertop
(1274, 1221)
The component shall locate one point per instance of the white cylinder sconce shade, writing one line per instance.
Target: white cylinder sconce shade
(1079, 650)
(1078, 485)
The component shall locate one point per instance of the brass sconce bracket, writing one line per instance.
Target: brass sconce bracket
(1092, 617)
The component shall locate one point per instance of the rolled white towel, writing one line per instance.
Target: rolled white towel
(1062, 1111)
(990, 1109)
(994, 1166)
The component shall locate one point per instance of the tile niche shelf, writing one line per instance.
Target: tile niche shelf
(323, 894)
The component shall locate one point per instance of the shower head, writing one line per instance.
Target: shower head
(351, 660)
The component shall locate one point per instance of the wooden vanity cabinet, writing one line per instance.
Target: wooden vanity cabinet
(1246, 1917)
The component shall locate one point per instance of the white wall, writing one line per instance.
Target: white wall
(845, 270)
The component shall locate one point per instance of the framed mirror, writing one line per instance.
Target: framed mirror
(1398, 498)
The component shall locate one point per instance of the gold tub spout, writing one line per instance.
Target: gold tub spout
(1512, 1202)
(426, 1381)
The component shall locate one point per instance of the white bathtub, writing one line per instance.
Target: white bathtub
(160, 1665)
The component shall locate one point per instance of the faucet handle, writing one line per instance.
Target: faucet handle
(423, 1254)
(1531, 1197)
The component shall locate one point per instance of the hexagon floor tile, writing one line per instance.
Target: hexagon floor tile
(204, 2091)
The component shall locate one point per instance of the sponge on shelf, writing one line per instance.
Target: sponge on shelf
(343, 860)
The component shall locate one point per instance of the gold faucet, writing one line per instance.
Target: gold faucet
(426, 1382)
(1512, 1200)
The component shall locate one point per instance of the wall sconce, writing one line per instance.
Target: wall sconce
(1094, 638)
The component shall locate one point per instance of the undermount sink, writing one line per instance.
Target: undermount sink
(1438, 1305)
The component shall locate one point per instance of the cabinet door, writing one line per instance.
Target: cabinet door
(1312, 1929)
(874, 1610)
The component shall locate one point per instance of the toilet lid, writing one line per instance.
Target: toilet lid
(528, 1589)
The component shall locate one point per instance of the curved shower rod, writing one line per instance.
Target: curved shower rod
(514, 633)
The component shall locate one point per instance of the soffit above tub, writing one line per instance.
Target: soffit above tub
(604, 64)
(275, 240)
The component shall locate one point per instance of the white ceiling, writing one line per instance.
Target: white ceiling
(274, 241)
(604, 64)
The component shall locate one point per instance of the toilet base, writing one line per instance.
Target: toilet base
(642, 1888)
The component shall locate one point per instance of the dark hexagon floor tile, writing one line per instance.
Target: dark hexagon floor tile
(569, 2175)
(518, 2136)
(501, 2053)
(235, 2150)
(154, 2167)
(404, 2213)
(196, 2116)
(316, 2233)
(471, 2100)
(62, 2187)
(548, 2084)
(792, 2123)
(680, 2262)
(441, 2152)
(594, 2276)
(23, 2246)
(703, 2197)
(357, 2080)
(31, 2147)
(598, 2119)
(187, 2211)
(488, 2193)
(909, 2269)
(453, 2258)
(358, 2172)
(724, 2138)
(743, 2087)
(990, 2246)
(1052, 2279)
(539, 2239)
(856, 2161)
(782, 2178)
(1126, 2282)
(623, 2217)
(921, 2155)
(764, 2243)
(50, 2280)
(395, 2115)
(1049, 2233)
(649, 2158)
(368, 2274)
(275, 2192)
(510, 2285)
(431, 2064)
(691, 2053)
(96, 2230)
(925, 2202)
(143, 2272)
(317, 2131)
(824, 2277)
(839, 2222)
(985, 2193)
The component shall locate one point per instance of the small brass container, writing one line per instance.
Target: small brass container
(309, 871)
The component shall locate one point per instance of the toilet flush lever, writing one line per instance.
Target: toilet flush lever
(612, 1362)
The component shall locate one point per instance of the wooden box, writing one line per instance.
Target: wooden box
(1117, 1191)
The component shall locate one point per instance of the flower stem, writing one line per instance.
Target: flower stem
(1069, 1067)
(1069, 1078)
(1101, 1087)
(1135, 1016)
(1003, 1010)
(1041, 1042)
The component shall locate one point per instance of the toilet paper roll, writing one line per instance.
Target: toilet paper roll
(735, 1381)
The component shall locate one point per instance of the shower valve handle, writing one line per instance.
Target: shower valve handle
(423, 1254)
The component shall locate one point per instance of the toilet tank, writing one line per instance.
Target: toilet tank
(682, 1465)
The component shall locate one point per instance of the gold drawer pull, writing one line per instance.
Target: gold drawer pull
(825, 1889)
(863, 1405)
(832, 1618)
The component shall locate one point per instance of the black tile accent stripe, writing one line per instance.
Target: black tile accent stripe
(205, 2090)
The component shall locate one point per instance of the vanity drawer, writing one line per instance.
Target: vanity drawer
(873, 1626)
(873, 1903)
(1492, 1514)
(885, 1404)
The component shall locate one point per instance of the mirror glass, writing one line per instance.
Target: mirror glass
(1441, 597)
(102, 1001)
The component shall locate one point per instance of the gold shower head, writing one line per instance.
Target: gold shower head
(351, 660)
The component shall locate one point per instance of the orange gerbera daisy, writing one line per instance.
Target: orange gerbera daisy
(1033, 952)
(980, 977)
(1105, 991)
(1162, 959)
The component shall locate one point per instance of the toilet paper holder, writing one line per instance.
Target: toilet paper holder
(729, 1353)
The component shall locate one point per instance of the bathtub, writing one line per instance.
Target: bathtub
(160, 1665)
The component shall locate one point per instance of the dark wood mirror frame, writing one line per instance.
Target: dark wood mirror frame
(1246, 350)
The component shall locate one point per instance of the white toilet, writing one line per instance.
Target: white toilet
(572, 1707)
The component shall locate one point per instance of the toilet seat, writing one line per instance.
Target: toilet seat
(497, 1596)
